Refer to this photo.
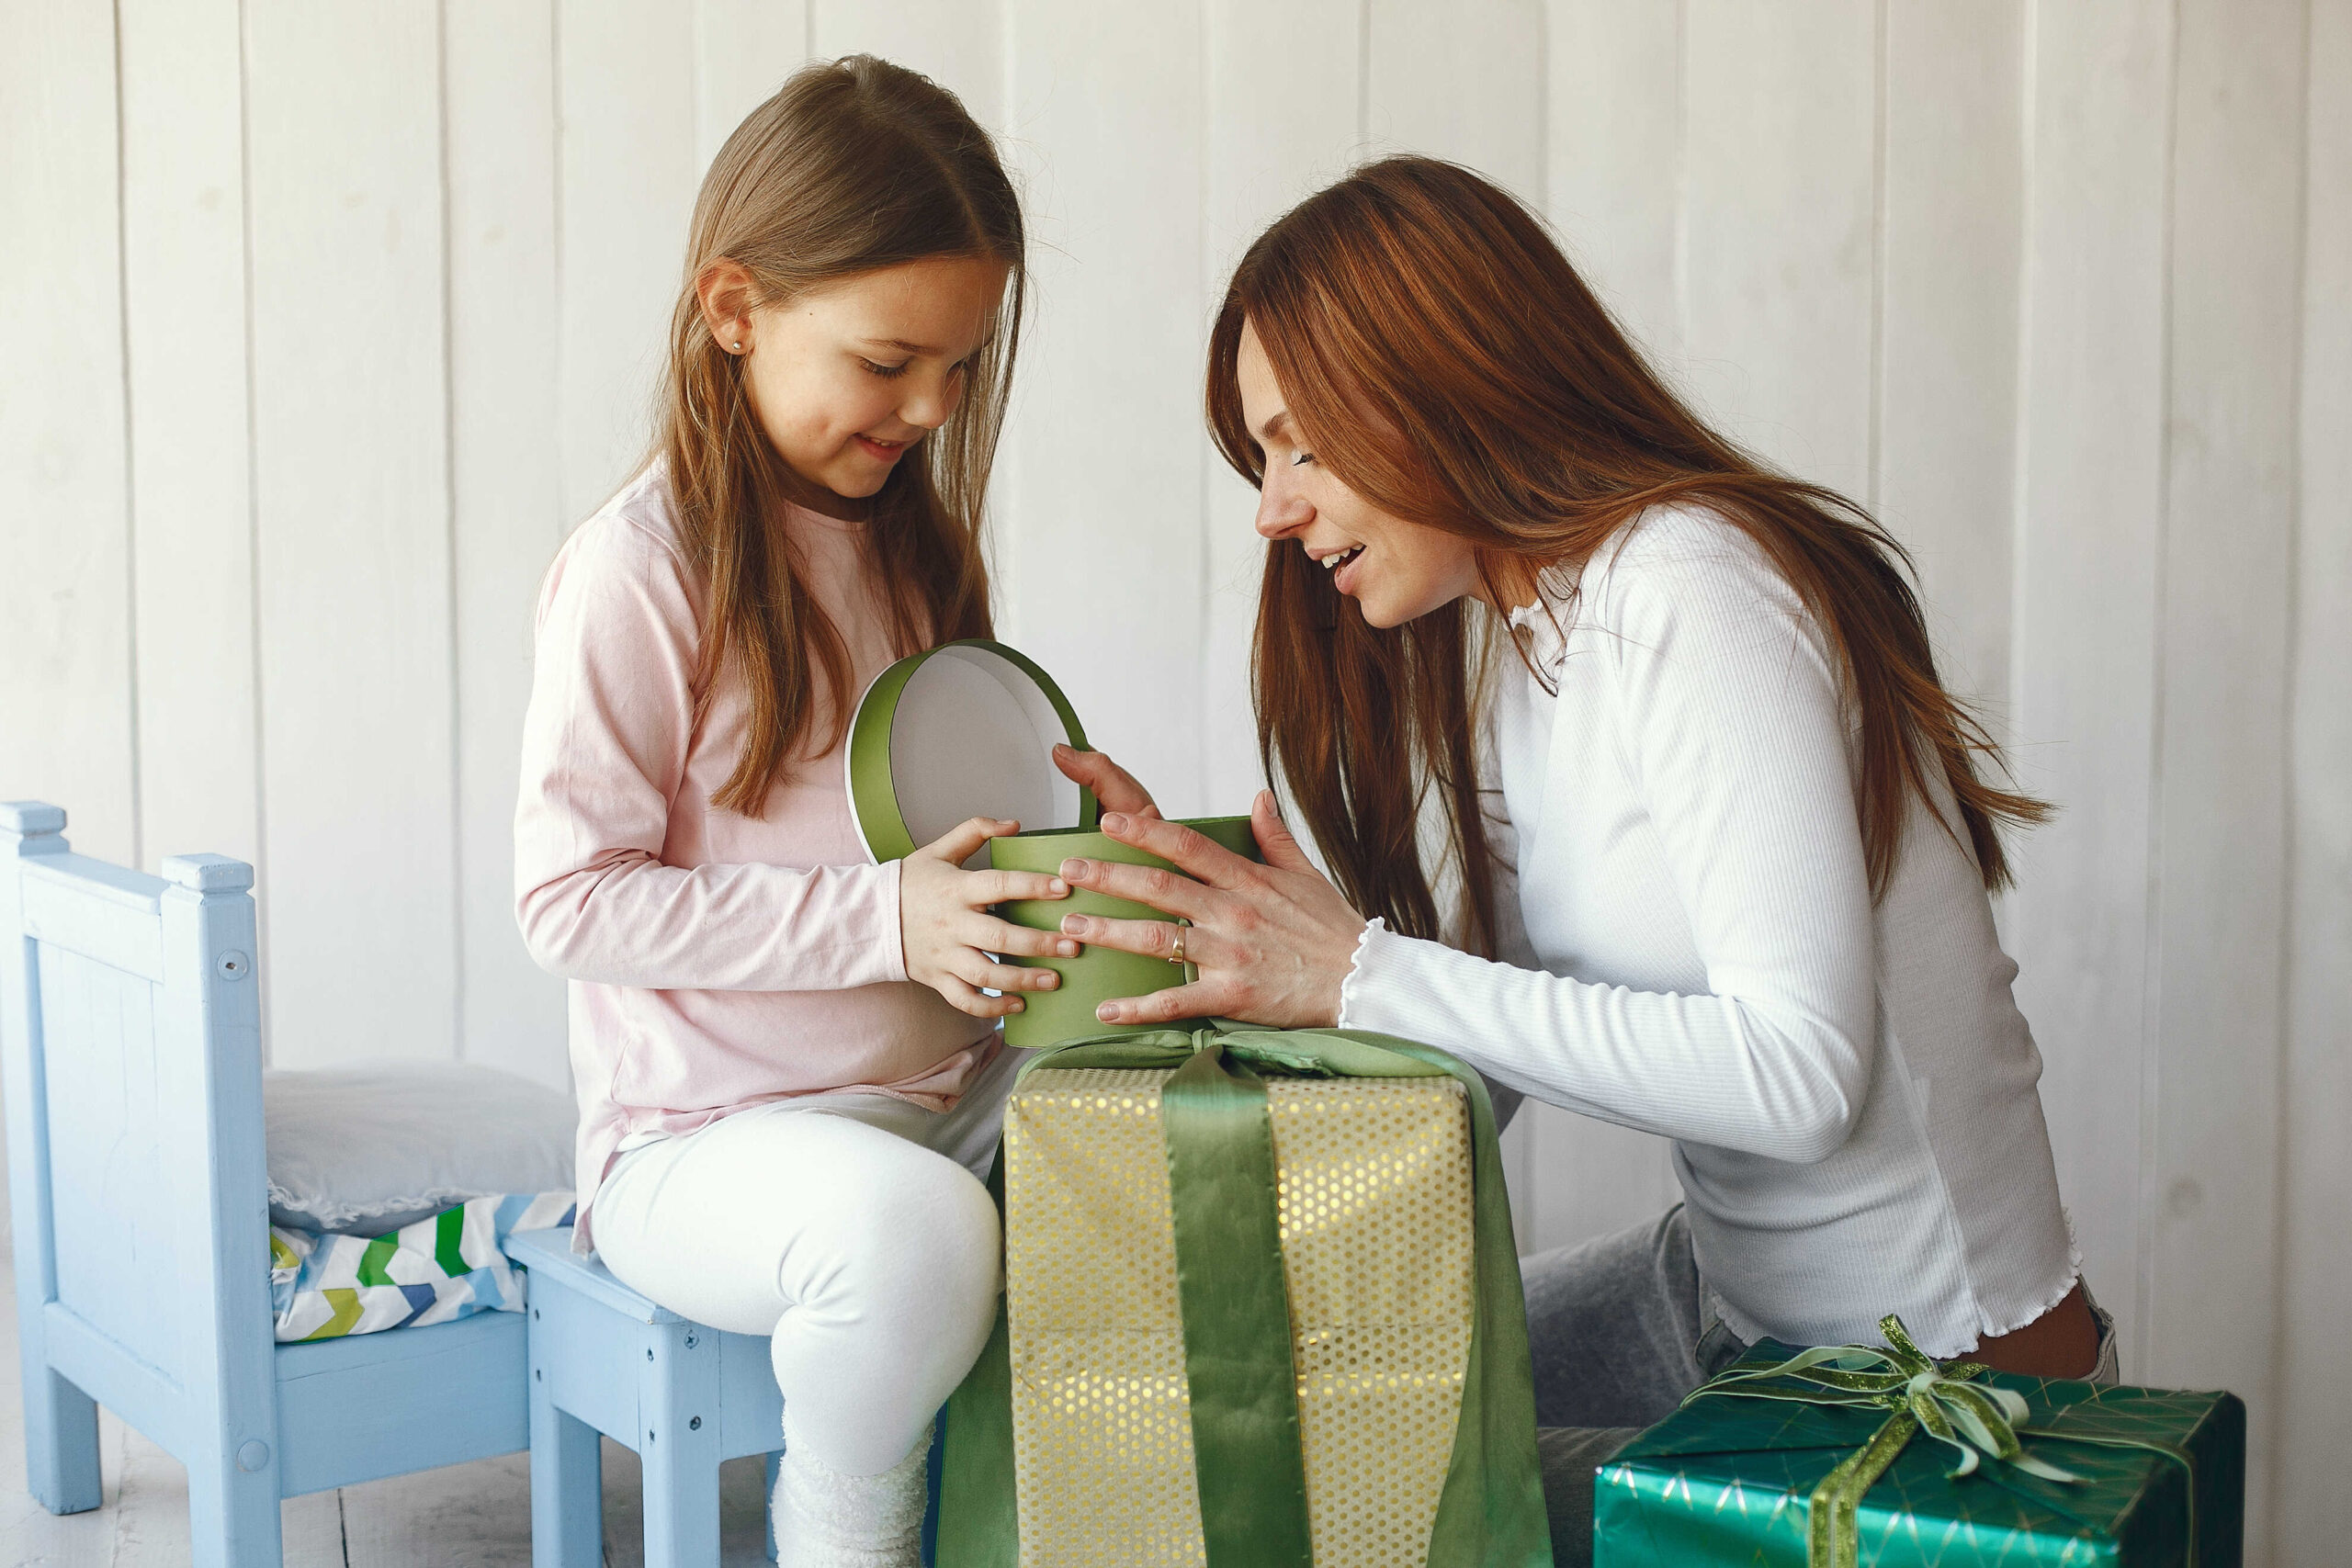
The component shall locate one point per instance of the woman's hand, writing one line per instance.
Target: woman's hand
(1114, 788)
(1272, 942)
(946, 932)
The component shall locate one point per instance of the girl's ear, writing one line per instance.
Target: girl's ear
(726, 293)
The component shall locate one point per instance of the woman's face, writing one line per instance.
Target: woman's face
(848, 377)
(1395, 570)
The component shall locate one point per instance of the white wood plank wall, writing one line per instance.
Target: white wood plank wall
(321, 325)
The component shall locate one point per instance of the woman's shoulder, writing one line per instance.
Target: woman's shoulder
(1672, 562)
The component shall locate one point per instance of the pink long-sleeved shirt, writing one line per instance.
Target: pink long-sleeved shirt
(717, 961)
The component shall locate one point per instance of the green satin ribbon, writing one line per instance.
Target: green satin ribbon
(1977, 1420)
(1236, 1308)
(1236, 1312)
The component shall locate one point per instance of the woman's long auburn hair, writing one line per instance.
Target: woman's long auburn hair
(853, 166)
(1418, 298)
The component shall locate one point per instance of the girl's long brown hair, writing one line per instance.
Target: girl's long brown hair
(1441, 356)
(853, 166)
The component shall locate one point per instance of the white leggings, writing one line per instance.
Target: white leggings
(853, 1229)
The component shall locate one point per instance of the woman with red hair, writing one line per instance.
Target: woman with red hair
(1639, 792)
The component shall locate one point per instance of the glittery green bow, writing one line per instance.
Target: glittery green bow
(1943, 1400)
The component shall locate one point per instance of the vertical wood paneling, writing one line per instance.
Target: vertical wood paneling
(1099, 495)
(2090, 503)
(1283, 116)
(2313, 1432)
(958, 43)
(1612, 119)
(1778, 160)
(625, 84)
(1587, 1179)
(743, 50)
(506, 501)
(66, 693)
(184, 301)
(1463, 82)
(1954, 182)
(352, 486)
(2225, 607)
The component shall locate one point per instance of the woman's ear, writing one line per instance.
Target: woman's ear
(726, 294)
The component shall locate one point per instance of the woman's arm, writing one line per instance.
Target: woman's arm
(1730, 720)
(604, 749)
(1729, 715)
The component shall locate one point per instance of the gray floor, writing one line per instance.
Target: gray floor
(469, 1516)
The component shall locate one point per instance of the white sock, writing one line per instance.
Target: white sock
(826, 1519)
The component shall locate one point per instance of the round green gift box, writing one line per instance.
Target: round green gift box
(965, 729)
(1097, 973)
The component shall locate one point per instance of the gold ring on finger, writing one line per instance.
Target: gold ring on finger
(1180, 944)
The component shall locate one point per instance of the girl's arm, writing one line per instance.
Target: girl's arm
(604, 747)
(1731, 724)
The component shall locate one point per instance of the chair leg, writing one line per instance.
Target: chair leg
(680, 1507)
(678, 1403)
(567, 1487)
(233, 1517)
(60, 1442)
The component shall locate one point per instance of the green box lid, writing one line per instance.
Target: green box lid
(964, 730)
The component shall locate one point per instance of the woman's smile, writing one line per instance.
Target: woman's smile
(1344, 565)
(881, 451)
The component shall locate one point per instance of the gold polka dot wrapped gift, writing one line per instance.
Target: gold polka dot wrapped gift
(1261, 1310)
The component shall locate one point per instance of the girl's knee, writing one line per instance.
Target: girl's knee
(927, 1228)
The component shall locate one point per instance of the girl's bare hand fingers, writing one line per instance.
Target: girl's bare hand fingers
(984, 888)
(970, 998)
(1169, 892)
(1202, 999)
(963, 841)
(991, 935)
(978, 971)
(1152, 939)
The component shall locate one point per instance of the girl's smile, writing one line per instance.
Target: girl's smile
(881, 451)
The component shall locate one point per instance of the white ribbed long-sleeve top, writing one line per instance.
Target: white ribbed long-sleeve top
(1850, 1089)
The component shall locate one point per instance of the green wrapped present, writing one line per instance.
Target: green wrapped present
(1261, 1310)
(1854, 1455)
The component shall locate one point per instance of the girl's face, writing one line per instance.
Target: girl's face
(847, 376)
(1395, 570)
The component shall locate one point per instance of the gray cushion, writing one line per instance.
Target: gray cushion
(366, 1149)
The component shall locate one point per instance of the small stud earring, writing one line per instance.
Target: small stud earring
(739, 346)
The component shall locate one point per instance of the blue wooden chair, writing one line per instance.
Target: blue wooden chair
(138, 1187)
(683, 1396)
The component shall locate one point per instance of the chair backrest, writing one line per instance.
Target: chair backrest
(129, 1035)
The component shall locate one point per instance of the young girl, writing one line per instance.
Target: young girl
(787, 1071)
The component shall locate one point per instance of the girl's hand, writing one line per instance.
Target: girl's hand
(1114, 788)
(947, 933)
(1272, 942)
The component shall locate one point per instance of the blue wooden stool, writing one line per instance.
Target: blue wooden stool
(685, 1396)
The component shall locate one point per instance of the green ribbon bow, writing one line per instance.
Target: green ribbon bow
(1236, 1312)
(1977, 1420)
